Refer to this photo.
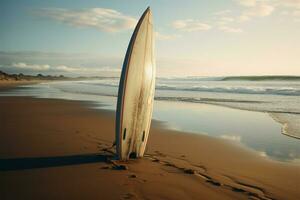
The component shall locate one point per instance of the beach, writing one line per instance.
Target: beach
(9, 84)
(61, 149)
(172, 100)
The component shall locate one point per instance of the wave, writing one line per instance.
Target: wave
(185, 99)
(257, 103)
(251, 105)
(204, 100)
(193, 86)
(289, 91)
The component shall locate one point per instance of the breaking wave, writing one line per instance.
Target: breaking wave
(287, 91)
(240, 90)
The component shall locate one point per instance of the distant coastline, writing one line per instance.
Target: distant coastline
(21, 77)
(261, 78)
(40, 77)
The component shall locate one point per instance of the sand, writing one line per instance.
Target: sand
(57, 149)
(8, 84)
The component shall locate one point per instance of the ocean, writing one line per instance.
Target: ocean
(263, 116)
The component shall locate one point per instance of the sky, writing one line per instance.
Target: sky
(193, 37)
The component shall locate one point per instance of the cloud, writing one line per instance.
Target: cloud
(222, 20)
(33, 59)
(190, 25)
(260, 10)
(296, 13)
(222, 12)
(291, 8)
(250, 10)
(290, 3)
(61, 68)
(247, 3)
(103, 19)
(59, 63)
(22, 65)
(230, 29)
(225, 20)
(161, 36)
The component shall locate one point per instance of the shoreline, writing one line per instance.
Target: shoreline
(269, 114)
(176, 164)
(287, 127)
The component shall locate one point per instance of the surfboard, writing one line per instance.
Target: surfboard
(136, 91)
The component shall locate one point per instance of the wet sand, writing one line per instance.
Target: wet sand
(8, 84)
(57, 149)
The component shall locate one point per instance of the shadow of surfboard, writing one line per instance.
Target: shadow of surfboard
(45, 162)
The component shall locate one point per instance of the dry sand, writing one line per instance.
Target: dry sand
(56, 149)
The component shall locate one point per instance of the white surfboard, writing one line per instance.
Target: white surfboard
(136, 91)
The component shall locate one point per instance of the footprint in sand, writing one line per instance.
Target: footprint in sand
(213, 182)
(132, 176)
(160, 154)
(105, 167)
(129, 196)
(189, 171)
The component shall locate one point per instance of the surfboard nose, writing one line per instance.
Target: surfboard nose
(147, 12)
(148, 15)
(148, 9)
